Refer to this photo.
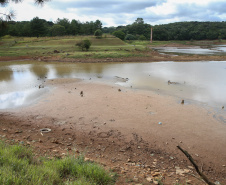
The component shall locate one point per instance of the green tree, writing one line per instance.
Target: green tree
(38, 27)
(75, 27)
(98, 33)
(66, 24)
(142, 37)
(120, 34)
(130, 37)
(57, 30)
(84, 44)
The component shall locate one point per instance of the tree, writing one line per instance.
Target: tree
(142, 37)
(130, 37)
(98, 33)
(120, 34)
(57, 30)
(10, 15)
(75, 27)
(84, 44)
(38, 27)
(97, 25)
(66, 24)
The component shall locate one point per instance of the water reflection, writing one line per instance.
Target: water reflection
(214, 50)
(6, 75)
(40, 71)
(19, 98)
(201, 81)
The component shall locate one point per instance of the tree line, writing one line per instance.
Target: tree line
(174, 31)
(40, 28)
(138, 30)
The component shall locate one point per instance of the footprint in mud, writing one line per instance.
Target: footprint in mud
(104, 134)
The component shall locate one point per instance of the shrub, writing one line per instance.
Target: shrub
(142, 37)
(130, 37)
(84, 44)
(98, 33)
(119, 34)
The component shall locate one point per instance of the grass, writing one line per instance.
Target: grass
(107, 47)
(19, 166)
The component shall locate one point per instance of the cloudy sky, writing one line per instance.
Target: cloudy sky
(121, 12)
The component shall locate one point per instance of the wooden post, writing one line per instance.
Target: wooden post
(151, 36)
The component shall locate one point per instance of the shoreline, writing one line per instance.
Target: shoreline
(121, 128)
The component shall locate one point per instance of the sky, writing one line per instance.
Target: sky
(121, 12)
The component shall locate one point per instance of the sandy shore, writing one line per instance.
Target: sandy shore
(121, 129)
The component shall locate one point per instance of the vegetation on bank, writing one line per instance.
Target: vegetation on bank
(18, 165)
(66, 46)
(106, 47)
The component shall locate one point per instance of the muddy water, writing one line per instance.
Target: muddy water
(22, 83)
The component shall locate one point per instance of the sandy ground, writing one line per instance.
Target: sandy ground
(119, 127)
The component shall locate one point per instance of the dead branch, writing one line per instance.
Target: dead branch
(196, 167)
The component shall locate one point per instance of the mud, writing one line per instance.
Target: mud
(121, 130)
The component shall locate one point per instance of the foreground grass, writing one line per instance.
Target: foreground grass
(19, 166)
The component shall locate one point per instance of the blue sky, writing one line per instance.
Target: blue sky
(121, 12)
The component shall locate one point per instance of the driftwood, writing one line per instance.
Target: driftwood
(196, 167)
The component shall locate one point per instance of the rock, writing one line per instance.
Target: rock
(156, 182)
(189, 182)
(18, 131)
(179, 171)
(149, 179)
(156, 174)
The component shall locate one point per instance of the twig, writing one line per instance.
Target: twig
(196, 167)
(196, 177)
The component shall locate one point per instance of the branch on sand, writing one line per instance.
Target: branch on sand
(196, 166)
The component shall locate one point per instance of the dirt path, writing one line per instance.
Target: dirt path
(120, 128)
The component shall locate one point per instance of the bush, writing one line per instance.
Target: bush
(84, 44)
(130, 37)
(142, 37)
(119, 34)
(98, 33)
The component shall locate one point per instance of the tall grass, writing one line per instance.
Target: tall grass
(19, 166)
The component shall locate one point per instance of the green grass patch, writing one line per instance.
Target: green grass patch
(19, 166)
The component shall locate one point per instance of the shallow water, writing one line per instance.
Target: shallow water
(214, 50)
(22, 83)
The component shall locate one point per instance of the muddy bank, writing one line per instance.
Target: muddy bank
(120, 128)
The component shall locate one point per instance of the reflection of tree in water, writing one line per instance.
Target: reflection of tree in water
(64, 70)
(6, 75)
(40, 71)
(68, 69)
(92, 68)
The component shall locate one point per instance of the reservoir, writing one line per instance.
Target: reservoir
(23, 82)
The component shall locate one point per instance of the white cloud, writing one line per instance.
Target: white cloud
(117, 12)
